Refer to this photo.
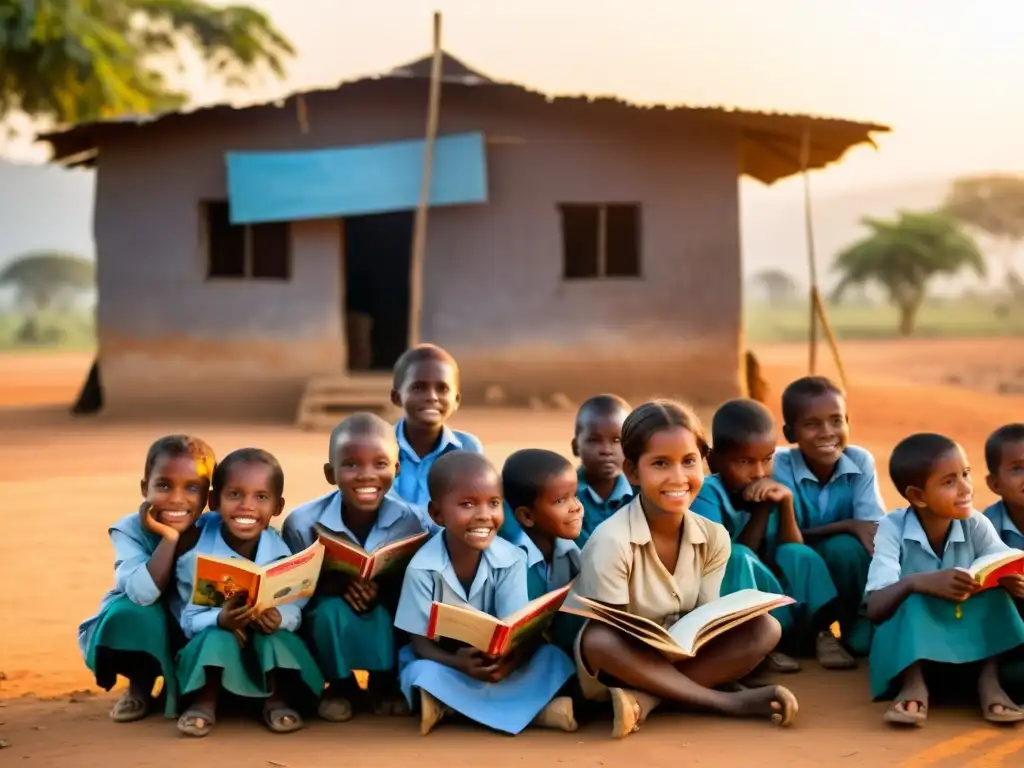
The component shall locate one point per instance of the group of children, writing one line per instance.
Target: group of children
(638, 526)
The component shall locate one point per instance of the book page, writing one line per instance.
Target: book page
(462, 623)
(219, 579)
(341, 554)
(637, 626)
(983, 566)
(290, 579)
(396, 555)
(747, 603)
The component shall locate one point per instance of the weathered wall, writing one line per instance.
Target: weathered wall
(493, 290)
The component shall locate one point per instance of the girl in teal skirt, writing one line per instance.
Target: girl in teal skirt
(768, 552)
(234, 649)
(928, 610)
(130, 635)
(349, 623)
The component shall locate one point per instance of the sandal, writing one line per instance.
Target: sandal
(1010, 713)
(335, 709)
(275, 718)
(625, 713)
(898, 714)
(831, 654)
(189, 725)
(131, 707)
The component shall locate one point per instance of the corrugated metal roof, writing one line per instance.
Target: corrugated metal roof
(771, 143)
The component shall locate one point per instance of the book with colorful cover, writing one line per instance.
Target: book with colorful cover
(686, 636)
(988, 570)
(219, 579)
(343, 555)
(490, 634)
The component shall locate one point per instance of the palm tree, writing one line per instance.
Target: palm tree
(69, 61)
(904, 254)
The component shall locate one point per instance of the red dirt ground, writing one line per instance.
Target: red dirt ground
(64, 480)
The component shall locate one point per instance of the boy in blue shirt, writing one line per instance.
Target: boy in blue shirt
(1004, 457)
(928, 610)
(425, 386)
(540, 489)
(835, 489)
(758, 512)
(597, 442)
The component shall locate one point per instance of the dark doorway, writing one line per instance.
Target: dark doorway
(376, 256)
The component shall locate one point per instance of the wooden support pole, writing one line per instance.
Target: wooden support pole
(812, 339)
(419, 237)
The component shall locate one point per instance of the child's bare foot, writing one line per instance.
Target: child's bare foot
(910, 707)
(996, 706)
(135, 704)
(432, 712)
(280, 718)
(772, 701)
(831, 654)
(558, 715)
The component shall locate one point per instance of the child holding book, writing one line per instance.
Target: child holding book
(597, 442)
(235, 649)
(467, 565)
(540, 487)
(835, 488)
(656, 559)
(349, 623)
(918, 590)
(758, 512)
(130, 635)
(426, 387)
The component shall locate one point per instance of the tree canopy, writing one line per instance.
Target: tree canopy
(72, 61)
(41, 277)
(904, 254)
(777, 284)
(993, 204)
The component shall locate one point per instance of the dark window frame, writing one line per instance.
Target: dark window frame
(214, 214)
(596, 266)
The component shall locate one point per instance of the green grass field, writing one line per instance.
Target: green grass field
(70, 331)
(940, 318)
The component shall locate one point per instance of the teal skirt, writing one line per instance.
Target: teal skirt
(927, 629)
(805, 577)
(125, 627)
(244, 670)
(745, 570)
(343, 641)
(848, 564)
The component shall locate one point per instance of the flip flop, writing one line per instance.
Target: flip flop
(897, 716)
(130, 708)
(790, 706)
(188, 722)
(1014, 715)
(831, 654)
(274, 718)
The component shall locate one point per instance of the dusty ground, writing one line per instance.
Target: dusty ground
(63, 480)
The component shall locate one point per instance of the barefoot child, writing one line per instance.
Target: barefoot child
(597, 443)
(466, 564)
(426, 388)
(916, 596)
(758, 512)
(273, 664)
(131, 636)
(656, 559)
(835, 488)
(540, 488)
(349, 623)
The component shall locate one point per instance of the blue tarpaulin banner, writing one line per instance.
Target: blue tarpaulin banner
(352, 181)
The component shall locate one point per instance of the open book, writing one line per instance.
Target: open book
(988, 570)
(492, 635)
(219, 579)
(684, 638)
(342, 554)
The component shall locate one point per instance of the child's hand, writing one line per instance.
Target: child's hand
(1014, 584)
(234, 617)
(361, 594)
(477, 664)
(865, 533)
(951, 584)
(147, 516)
(269, 621)
(767, 490)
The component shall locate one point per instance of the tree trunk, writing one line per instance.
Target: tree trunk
(908, 309)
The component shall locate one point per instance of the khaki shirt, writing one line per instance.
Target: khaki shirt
(620, 566)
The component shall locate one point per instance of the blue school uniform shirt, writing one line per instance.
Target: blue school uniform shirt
(595, 509)
(195, 618)
(133, 546)
(851, 493)
(714, 503)
(499, 586)
(1004, 525)
(902, 548)
(411, 480)
(543, 577)
(396, 520)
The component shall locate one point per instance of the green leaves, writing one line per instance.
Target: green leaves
(40, 277)
(78, 60)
